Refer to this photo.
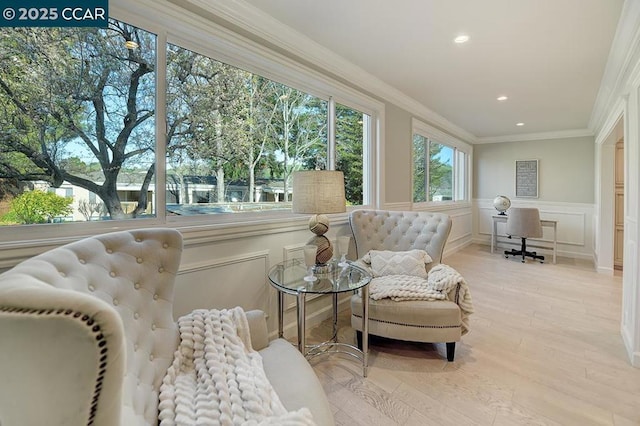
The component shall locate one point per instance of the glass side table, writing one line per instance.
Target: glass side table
(288, 278)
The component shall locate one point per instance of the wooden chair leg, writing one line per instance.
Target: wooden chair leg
(359, 339)
(451, 351)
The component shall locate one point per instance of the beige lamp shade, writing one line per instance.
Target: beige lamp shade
(318, 192)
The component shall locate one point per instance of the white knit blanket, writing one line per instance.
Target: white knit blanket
(442, 283)
(218, 379)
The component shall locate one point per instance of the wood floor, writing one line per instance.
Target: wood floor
(544, 349)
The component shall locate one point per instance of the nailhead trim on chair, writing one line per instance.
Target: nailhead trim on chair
(95, 329)
(409, 325)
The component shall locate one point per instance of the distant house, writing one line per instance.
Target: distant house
(192, 195)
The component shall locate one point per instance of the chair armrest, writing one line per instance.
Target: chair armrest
(61, 357)
(258, 329)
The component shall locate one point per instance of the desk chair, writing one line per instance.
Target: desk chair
(524, 223)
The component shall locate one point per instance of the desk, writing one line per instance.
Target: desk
(503, 218)
(288, 278)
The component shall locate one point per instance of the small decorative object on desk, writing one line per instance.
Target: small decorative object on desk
(501, 203)
(310, 261)
(343, 248)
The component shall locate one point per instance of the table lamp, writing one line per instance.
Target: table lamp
(319, 192)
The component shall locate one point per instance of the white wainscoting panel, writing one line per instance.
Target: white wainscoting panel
(295, 251)
(461, 215)
(575, 225)
(224, 283)
(461, 231)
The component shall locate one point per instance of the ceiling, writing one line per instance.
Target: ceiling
(547, 56)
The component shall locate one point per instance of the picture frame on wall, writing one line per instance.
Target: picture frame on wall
(527, 178)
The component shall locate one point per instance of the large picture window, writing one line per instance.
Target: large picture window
(77, 113)
(235, 138)
(80, 130)
(440, 170)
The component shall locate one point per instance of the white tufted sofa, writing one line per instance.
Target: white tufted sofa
(415, 321)
(87, 333)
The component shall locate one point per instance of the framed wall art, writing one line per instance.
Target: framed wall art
(527, 178)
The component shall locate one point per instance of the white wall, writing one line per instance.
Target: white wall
(630, 283)
(574, 226)
(397, 155)
(221, 271)
(565, 169)
(619, 97)
(565, 191)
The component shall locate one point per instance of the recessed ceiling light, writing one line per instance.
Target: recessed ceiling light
(520, 124)
(502, 98)
(462, 38)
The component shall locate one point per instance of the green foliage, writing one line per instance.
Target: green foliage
(77, 90)
(419, 168)
(349, 135)
(37, 207)
(440, 172)
(434, 169)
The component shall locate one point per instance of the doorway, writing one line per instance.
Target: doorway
(618, 231)
(610, 207)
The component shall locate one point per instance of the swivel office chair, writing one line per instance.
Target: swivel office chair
(524, 223)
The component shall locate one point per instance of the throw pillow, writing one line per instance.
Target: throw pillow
(386, 262)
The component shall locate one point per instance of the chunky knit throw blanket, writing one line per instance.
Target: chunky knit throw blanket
(442, 283)
(217, 378)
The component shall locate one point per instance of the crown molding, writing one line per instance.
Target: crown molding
(622, 65)
(616, 111)
(562, 134)
(242, 15)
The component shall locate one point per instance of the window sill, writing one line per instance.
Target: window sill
(21, 242)
(441, 205)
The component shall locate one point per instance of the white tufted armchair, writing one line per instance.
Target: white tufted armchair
(416, 320)
(63, 317)
(87, 334)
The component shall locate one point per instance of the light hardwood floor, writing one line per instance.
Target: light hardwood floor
(544, 349)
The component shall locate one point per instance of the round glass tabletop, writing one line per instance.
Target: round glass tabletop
(289, 276)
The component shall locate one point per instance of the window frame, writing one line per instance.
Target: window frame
(177, 25)
(461, 190)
